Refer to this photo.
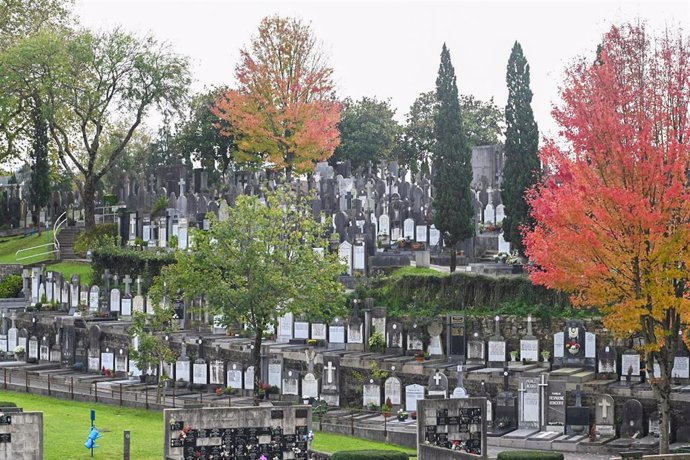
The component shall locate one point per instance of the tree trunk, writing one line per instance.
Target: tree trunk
(453, 258)
(160, 383)
(662, 393)
(256, 361)
(89, 203)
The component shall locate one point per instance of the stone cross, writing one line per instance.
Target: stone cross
(482, 390)
(529, 325)
(604, 404)
(437, 379)
(506, 376)
(497, 333)
(329, 371)
(139, 281)
(311, 354)
(522, 390)
(127, 280)
(578, 396)
(115, 280)
(542, 388)
(181, 184)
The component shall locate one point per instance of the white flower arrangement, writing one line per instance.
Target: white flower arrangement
(19, 349)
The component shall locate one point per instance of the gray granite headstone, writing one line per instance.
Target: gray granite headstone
(605, 416)
(555, 406)
(438, 384)
(632, 426)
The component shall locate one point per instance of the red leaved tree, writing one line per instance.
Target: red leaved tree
(613, 213)
(284, 110)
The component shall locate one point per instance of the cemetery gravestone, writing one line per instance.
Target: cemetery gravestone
(607, 363)
(475, 350)
(413, 393)
(632, 426)
(604, 417)
(506, 409)
(249, 378)
(371, 394)
(330, 381)
(555, 408)
(290, 384)
(435, 329)
(234, 376)
(577, 417)
(275, 371)
(529, 345)
(630, 365)
(393, 390)
(456, 337)
(310, 386)
(200, 372)
(438, 384)
(529, 403)
(497, 347)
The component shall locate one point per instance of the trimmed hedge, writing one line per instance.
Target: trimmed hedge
(11, 287)
(425, 294)
(132, 262)
(7, 404)
(529, 455)
(370, 455)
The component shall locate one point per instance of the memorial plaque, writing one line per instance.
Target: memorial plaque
(336, 334)
(354, 332)
(413, 393)
(681, 367)
(529, 350)
(630, 361)
(393, 390)
(126, 306)
(530, 404)
(558, 344)
(497, 351)
(33, 349)
(318, 331)
(182, 370)
(234, 376)
(121, 364)
(249, 378)
(555, 408)
(200, 371)
(371, 393)
(275, 372)
(310, 386)
(108, 360)
(301, 330)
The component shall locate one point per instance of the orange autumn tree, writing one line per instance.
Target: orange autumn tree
(283, 112)
(613, 213)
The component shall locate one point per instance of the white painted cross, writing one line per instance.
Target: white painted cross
(543, 386)
(522, 390)
(437, 379)
(329, 369)
(604, 404)
(127, 280)
(181, 184)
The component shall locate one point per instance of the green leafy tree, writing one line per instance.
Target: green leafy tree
(153, 350)
(418, 138)
(40, 169)
(259, 265)
(20, 19)
(97, 89)
(482, 121)
(368, 133)
(452, 157)
(521, 166)
(199, 136)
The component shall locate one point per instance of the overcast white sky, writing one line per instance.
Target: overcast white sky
(392, 49)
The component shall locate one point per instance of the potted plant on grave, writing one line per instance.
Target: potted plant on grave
(402, 415)
(19, 352)
(514, 355)
(387, 408)
(419, 356)
(312, 342)
(377, 343)
(503, 422)
(545, 355)
(573, 347)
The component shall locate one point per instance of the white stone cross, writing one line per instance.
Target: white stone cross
(604, 404)
(139, 281)
(127, 280)
(543, 386)
(329, 369)
(437, 379)
(522, 390)
(181, 184)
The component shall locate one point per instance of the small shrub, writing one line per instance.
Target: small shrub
(7, 404)
(370, 455)
(159, 206)
(99, 236)
(528, 455)
(377, 342)
(11, 287)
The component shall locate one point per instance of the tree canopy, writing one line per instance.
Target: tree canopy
(521, 165)
(368, 133)
(261, 264)
(452, 163)
(612, 212)
(284, 111)
(95, 90)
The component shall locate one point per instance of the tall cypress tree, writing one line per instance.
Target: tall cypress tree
(521, 166)
(40, 170)
(452, 163)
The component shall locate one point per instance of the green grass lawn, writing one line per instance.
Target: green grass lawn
(66, 426)
(9, 246)
(68, 269)
(331, 443)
